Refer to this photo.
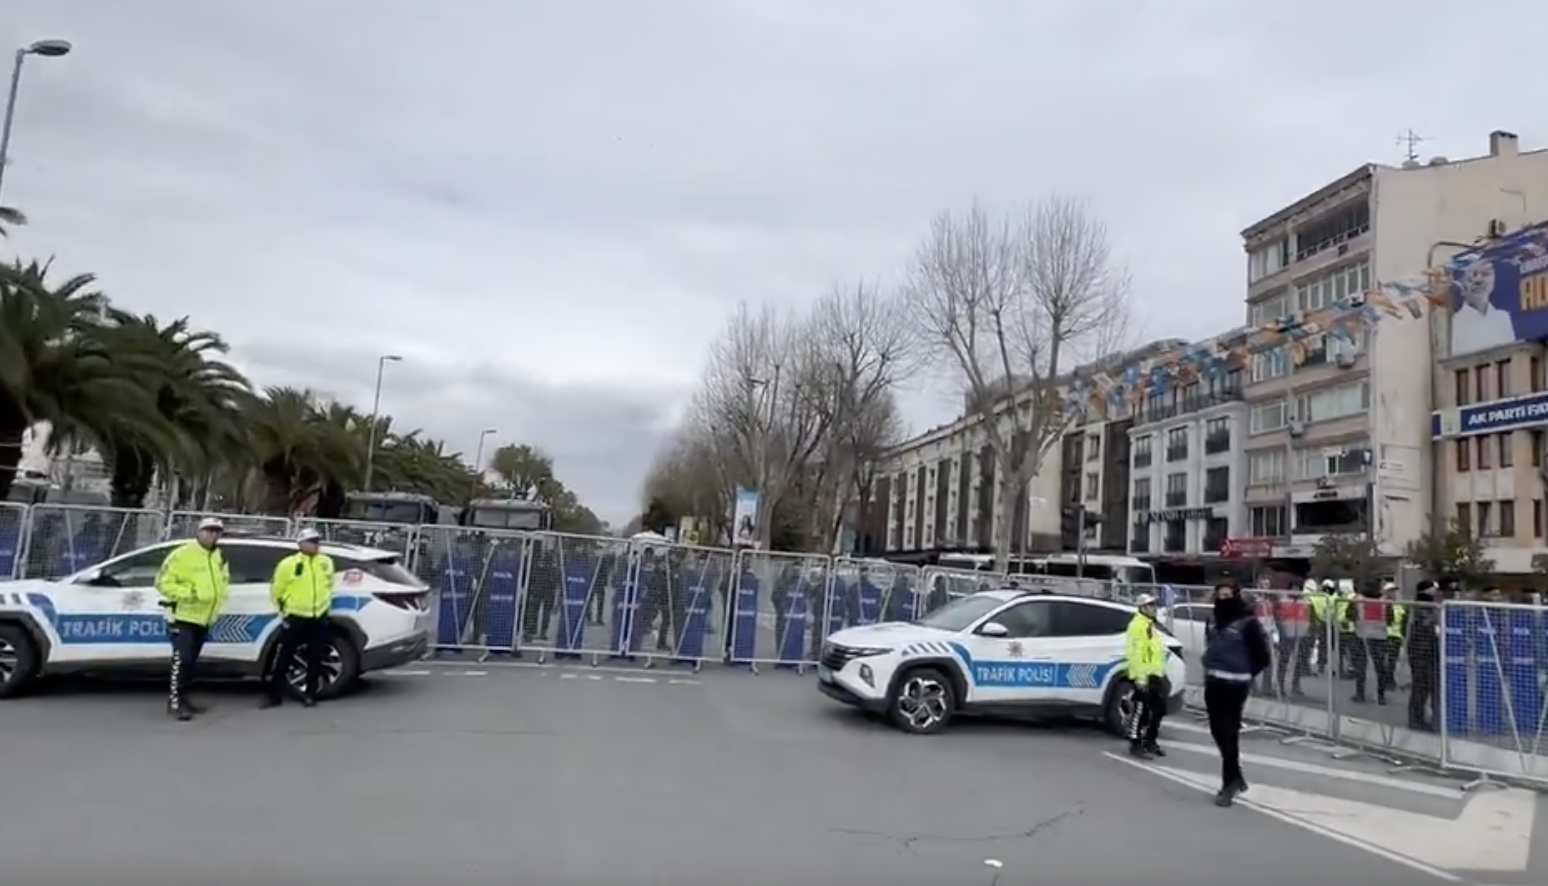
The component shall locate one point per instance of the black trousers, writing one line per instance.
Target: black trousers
(310, 637)
(1149, 710)
(1225, 702)
(187, 642)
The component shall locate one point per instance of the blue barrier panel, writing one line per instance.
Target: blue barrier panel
(83, 549)
(1488, 626)
(695, 626)
(627, 634)
(500, 597)
(573, 596)
(1456, 647)
(1524, 647)
(871, 603)
(456, 592)
(837, 608)
(744, 618)
(796, 619)
(915, 602)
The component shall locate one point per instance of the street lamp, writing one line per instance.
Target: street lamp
(478, 460)
(42, 49)
(376, 409)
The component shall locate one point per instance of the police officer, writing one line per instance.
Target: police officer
(1321, 600)
(1423, 631)
(1145, 661)
(302, 591)
(193, 583)
(1397, 616)
(1237, 653)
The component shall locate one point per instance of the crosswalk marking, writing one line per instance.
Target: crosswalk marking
(1371, 778)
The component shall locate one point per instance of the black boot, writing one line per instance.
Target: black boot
(1139, 751)
(1228, 794)
(1155, 749)
(179, 712)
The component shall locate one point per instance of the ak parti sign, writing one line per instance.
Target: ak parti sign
(1241, 548)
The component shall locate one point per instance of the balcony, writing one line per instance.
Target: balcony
(1214, 444)
(1143, 459)
(1140, 505)
(1148, 414)
(1216, 494)
(1176, 453)
(1177, 499)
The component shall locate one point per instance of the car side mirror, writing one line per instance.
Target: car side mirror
(993, 629)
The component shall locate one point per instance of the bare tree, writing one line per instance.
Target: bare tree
(1011, 305)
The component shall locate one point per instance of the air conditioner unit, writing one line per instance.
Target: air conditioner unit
(1345, 360)
(1297, 429)
(1497, 227)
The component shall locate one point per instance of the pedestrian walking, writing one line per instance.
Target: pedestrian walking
(302, 592)
(1237, 653)
(1145, 663)
(193, 582)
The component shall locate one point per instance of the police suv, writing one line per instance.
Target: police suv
(108, 619)
(1000, 652)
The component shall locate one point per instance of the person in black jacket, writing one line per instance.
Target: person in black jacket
(1237, 653)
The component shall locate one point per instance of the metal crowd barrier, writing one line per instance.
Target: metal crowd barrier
(1459, 687)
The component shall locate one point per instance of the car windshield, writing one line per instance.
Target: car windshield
(961, 613)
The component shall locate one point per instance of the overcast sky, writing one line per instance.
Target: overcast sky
(550, 207)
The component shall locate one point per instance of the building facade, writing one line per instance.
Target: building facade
(1336, 422)
(1187, 469)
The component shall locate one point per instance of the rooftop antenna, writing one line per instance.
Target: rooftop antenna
(1411, 141)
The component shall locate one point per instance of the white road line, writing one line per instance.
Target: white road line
(634, 680)
(1291, 820)
(1370, 778)
(406, 672)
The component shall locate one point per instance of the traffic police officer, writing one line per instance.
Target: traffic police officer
(302, 591)
(193, 583)
(1145, 661)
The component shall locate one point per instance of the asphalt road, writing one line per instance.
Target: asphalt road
(498, 773)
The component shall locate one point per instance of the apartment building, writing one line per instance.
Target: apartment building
(1094, 475)
(1492, 398)
(1336, 422)
(1187, 468)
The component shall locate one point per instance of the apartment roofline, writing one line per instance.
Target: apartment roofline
(1361, 174)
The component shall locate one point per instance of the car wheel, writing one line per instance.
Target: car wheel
(922, 702)
(1120, 704)
(18, 660)
(340, 666)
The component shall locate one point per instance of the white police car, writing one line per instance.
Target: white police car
(1000, 652)
(108, 619)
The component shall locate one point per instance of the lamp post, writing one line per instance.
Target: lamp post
(376, 409)
(42, 49)
(478, 459)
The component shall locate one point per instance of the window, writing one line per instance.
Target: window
(1270, 364)
(252, 564)
(1464, 456)
(1175, 540)
(1217, 436)
(1073, 619)
(1462, 388)
(1268, 310)
(1537, 518)
(1217, 485)
(1267, 260)
(1481, 385)
(1266, 466)
(1267, 522)
(1465, 514)
(1507, 447)
(960, 613)
(1508, 519)
(136, 570)
(1330, 230)
(1482, 445)
(1031, 619)
(1535, 370)
(1176, 490)
(1139, 538)
(1093, 486)
(1502, 378)
(1537, 449)
(1142, 494)
(1485, 519)
(1268, 417)
(1325, 291)
(1331, 461)
(1322, 349)
(1177, 444)
(1215, 532)
(1093, 447)
(1142, 451)
(1333, 403)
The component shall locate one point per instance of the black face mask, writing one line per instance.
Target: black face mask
(1229, 609)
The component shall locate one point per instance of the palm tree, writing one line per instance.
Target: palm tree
(55, 368)
(197, 396)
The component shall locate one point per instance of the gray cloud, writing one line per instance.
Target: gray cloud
(557, 205)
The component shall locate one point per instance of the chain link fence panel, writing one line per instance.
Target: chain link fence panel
(781, 604)
(1493, 673)
(64, 539)
(13, 533)
(593, 597)
(685, 594)
(396, 538)
(477, 579)
(183, 524)
(954, 583)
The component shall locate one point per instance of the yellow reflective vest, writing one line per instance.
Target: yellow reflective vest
(303, 585)
(195, 580)
(1145, 654)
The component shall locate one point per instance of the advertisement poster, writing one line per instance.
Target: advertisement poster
(744, 519)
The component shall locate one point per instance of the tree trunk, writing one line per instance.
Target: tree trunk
(132, 475)
(1004, 530)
